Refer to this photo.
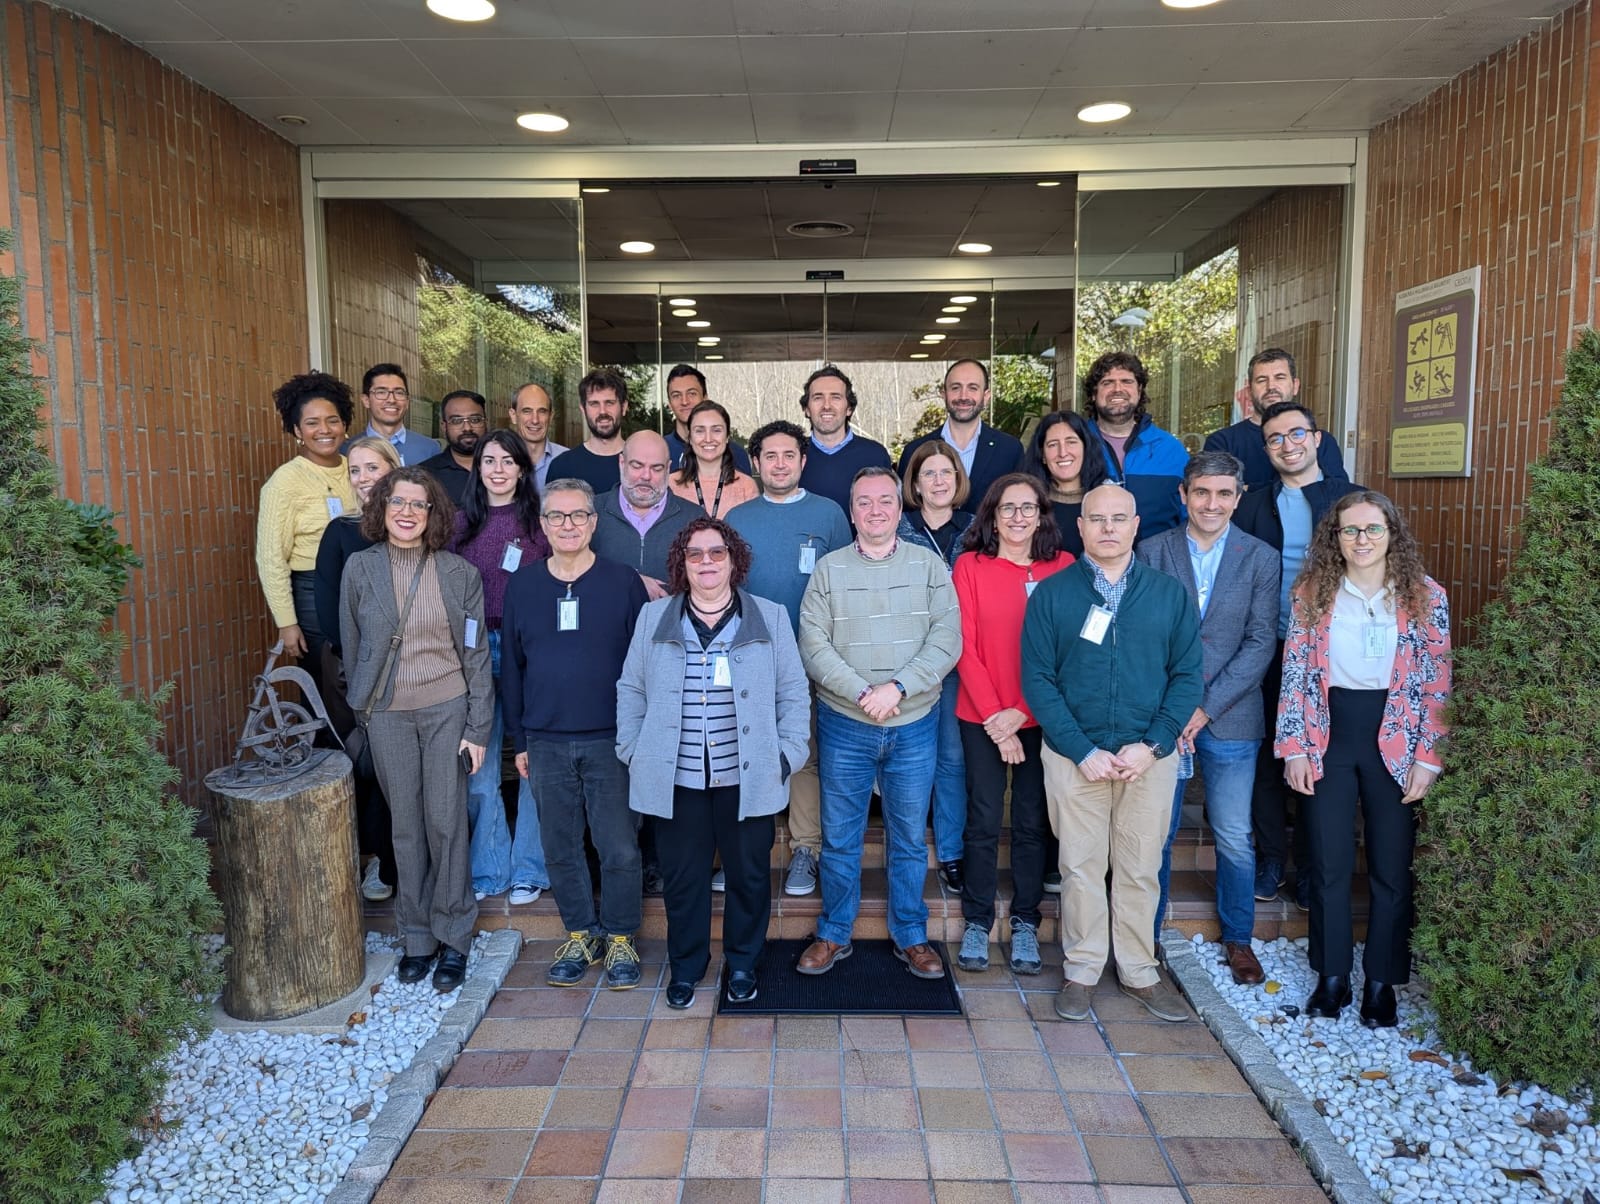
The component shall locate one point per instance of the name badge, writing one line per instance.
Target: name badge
(1029, 586)
(566, 614)
(471, 636)
(335, 507)
(512, 558)
(808, 560)
(1376, 640)
(720, 674)
(1095, 625)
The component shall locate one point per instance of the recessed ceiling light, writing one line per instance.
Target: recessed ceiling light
(934, 338)
(698, 324)
(947, 321)
(963, 299)
(683, 313)
(974, 248)
(291, 119)
(1047, 183)
(919, 355)
(713, 357)
(1188, 3)
(954, 309)
(461, 10)
(542, 123)
(596, 190)
(1106, 110)
(637, 246)
(685, 301)
(709, 340)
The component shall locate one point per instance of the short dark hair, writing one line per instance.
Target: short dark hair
(686, 370)
(983, 535)
(780, 427)
(874, 470)
(441, 510)
(911, 496)
(1115, 359)
(1213, 464)
(1093, 469)
(456, 394)
(829, 370)
(1269, 356)
(292, 396)
(377, 370)
(978, 364)
(1279, 408)
(603, 378)
(738, 553)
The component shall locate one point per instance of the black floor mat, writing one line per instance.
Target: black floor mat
(870, 982)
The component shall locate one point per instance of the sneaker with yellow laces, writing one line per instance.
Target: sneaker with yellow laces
(622, 963)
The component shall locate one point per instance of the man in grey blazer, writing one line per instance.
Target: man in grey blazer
(1232, 578)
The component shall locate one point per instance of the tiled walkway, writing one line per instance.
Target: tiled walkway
(591, 1095)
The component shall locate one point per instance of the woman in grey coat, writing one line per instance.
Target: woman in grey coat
(713, 712)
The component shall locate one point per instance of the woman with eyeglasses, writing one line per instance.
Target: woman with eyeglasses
(713, 715)
(709, 477)
(1366, 678)
(1012, 545)
(417, 655)
(1058, 458)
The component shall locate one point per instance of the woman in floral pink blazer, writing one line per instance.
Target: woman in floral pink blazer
(1366, 677)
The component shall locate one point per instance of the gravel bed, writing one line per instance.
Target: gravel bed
(1418, 1120)
(259, 1116)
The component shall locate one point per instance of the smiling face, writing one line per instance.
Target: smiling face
(875, 509)
(965, 393)
(683, 394)
(1063, 456)
(827, 406)
(936, 483)
(1116, 397)
(1364, 551)
(406, 519)
(1294, 458)
(320, 431)
(386, 402)
(530, 414)
(367, 468)
(464, 425)
(569, 532)
(779, 465)
(602, 413)
(1211, 502)
(708, 576)
(709, 436)
(1017, 517)
(500, 473)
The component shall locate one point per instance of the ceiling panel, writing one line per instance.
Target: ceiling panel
(956, 115)
(670, 119)
(801, 117)
(681, 66)
(1166, 54)
(327, 69)
(1247, 108)
(506, 66)
(1283, 50)
(823, 63)
(999, 14)
(253, 20)
(433, 121)
(967, 60)
(822, 16)
(223, 65)
(592, 123)
(1056, 115)
(150, 20)
(1363, 103)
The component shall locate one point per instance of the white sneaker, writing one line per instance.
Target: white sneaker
(522, 893)
(480, 895)
(372, 886)
(802, 876)
(719, 881)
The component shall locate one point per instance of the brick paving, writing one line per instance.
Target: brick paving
(585, 1095)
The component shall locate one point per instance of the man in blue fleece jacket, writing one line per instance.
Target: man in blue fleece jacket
(1139, 455)
(1112, 669)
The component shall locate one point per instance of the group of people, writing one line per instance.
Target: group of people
(682, 638)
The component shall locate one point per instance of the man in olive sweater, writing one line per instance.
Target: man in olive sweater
(1112, 668)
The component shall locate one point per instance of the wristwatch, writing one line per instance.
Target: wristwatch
(1156, 750)
(896, 684)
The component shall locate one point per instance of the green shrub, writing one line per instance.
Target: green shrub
(1508, 867)
(102, 882)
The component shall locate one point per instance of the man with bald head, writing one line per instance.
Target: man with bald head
(1112, 669)
(640, 518)
(531, 412)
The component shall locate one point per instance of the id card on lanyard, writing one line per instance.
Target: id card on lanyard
(567, 612)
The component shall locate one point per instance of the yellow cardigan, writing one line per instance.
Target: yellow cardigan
(289, 525)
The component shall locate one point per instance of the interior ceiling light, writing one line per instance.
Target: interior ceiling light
(963, 299)
(713, 357)
(698, 324)
(974, 248)
(947, 321)
(1106, 110)
(934, 338)
(461, 10)
(820, 229)
(684, 301)
(683, 313)
(1047, 183)
(596, 190)
(709, 340)
(542, 123)
(1188, 3)
(291, 119)
(954, 309)
(637, 246)
(919, 355)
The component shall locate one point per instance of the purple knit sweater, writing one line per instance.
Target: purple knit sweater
(488, 549)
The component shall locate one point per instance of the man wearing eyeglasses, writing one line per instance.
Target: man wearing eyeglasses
(387, 397)
(1283, 515)
(1270, 379)
(466, 421)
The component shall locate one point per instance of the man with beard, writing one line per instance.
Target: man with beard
(530, 418)
(1140, 456)
(1271, 378)
(638, 520)
(686, 388)
(465, 418)
(387, 398)
(604, 396)
(986, 453)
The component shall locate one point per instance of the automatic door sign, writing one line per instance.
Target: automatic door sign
(1436, 344)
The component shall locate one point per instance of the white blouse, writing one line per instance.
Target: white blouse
(1362, 635)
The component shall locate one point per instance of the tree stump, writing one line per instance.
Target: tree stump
(288, 876)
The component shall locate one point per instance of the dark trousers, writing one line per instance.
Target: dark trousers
(703, 823)
(1030, 826)
(578, 782)
(1269, 802)
(1353, 769)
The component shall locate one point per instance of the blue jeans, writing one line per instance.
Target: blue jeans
(1229, 769)
(949, 778)
(851, 753)
(500, 860)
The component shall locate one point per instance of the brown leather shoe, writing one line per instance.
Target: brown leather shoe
(1242, 962)
(820, 956)
(921, 960)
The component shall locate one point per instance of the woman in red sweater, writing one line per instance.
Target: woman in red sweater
(1012, 545)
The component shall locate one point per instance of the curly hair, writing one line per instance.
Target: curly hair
(1318, 583)
(677, 554)
(1128, 362)
(294, 394)
(441, 510)
(984, 534)
(911, 495)
(690, 471)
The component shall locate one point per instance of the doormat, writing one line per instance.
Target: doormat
(872, 981)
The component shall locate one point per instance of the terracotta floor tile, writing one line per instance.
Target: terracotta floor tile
(638, 1191)
(1087, 1072)
(995, 1005)
(486, 1108)
(598, 1068)
(874, 1032)
(721, 1191)
(1046, 1158)
(881, 1108)
(1018, 1035)
(573, 1152)
(957, 1192)
(806, 1108)
(448, 1154)
(1207, 1076)
(1209, 1116)
(1111, 1005)
(555, 1191)
(805, 1191)
(505, 1068)
(1071, 1037)
(885, 1156)
(966, 1156)
(806, 1068)
(1017, 1070)
(807, 1032)
(1160, 1037)
(610, 1034)
(738, 1068)
(1127, 1193)
(1237, 1160)
(946, 1068)
(647, 1154)
(1030, 1112)
(668, 1068)
(731, 1108)
(798, 1154)
(1127, 1160)
(540, 1001)
(928, 1032)
(726, 1153)
(616, 1005)
(954, 1108)
(444, 1191)
(876, 1068)
(1104, 1112)
(1236, 1194)
(677, 1034)
(1058, 1193)
(584, 1108)
(561, 1033)
(659, 1108)
(742, 1032)
(890, 1191)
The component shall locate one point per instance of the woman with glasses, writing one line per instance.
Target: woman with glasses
(1056, 457)
(1366, 677)
(1012, 545)
(497, 530)
(710, 478)
(411, 623)
(713, 714)
(935, 484)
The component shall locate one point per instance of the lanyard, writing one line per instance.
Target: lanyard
(716, 502)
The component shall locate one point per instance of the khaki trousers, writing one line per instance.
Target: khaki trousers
(1126, 824)
(805, 796)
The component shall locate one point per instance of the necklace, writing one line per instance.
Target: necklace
(709, 614)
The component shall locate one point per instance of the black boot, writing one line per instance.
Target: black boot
(1378, 1006)
(1332, 993)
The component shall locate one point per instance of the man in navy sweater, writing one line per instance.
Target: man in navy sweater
(1272, 378)
(835, 453)
(986, 453)
(565, 633)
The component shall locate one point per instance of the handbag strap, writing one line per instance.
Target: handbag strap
(394, 642)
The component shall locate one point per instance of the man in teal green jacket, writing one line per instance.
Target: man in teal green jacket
(1112, 669)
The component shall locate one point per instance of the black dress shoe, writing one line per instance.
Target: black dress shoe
(950, 875)
(452, 970)
(1332, 994)
(1378, 1009)
(415, 969)
(680, 995)
(741, 986)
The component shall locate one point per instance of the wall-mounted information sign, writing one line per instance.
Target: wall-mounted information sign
(1435, 368)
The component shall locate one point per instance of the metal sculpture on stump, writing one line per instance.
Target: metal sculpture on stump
(279, 739)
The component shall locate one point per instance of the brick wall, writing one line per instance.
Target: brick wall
(159, 235)
(1499, 167)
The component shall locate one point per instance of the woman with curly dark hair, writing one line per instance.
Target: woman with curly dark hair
(713, 714)
(298, 502)
(1366, 677)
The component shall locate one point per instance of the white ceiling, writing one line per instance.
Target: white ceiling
(389, 73)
